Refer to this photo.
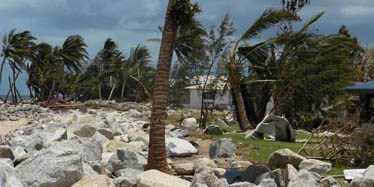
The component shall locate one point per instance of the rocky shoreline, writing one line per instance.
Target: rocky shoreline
(101, 146)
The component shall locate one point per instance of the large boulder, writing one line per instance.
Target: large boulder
(213, 130)
(282, 157)
(207, 178)
(154, 178)
(58, 135)
(290, 173)
(131, 159)
(204, 163)
(305, 179)
(222, 148)
(59, 165)
(183, 168)
(274, 125)
(92, 151)
(253, 172)
(329, 181)
(28, 143)
(190, 124)
(315, 166)
(85, 131)
(6, 152)
(176, 147)
(8, 175)
(95, 181)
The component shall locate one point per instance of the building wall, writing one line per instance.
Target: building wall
(195, 99)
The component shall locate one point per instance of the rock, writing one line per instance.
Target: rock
(28, 143)
(304, 179)
(222, 148)
(135, 134)
(131, 159)
(282, 157)
(268, 183)
(366, 180)
(88, 171)
(128, 173)
(219, 171)
(179, 133)
(92, 151)
(125, 182)
(8, 175)
(220, 123)
(252, 172)
(114, 164)
(329, 182)
(213, 130)
(134, 113)
(209, 179)
(233, 176)
(85, 131)
(204, 163)
(290, 173)
(95, 181)
(113, 145)
(60, 134)
(240, 165)
(154, 178)
(315, 166)
(6, 161)
(106, 132)
(242, 184)
(6, 152)
(59, 165)
(190, 124)
(277, 126)
(176, 147)
(183, 168)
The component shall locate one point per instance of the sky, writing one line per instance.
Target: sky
(133, 22)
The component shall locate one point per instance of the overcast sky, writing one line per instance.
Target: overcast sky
(132, 22)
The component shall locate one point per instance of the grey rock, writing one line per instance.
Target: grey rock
(124, 182)
(240, 165)
(290, 173)
(128, 173)
(213, 130)
(242, 184)
(329, 182)
(277, 126)
(6, 161)
(154, 178)
(203, 163)
(59, 165)
(220, 123)
(305, 179)
(367, 180)
(28, 143)
(85, 131)
(268, 183)
(6, 152)
(179, 133)
(222, 148)
(95, 181)
(176, 147)
(106, 132)
(252, 172)
(131, 159)
(8, 175)
(315, 166)
(60, 134)
(92, 151)
(282, 157)
(88, 170)
(190, 124)
(209, 179)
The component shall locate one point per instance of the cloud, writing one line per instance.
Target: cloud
(357, 11)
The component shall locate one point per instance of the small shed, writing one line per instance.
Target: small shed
(366, 93)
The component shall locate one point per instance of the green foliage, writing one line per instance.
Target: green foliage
(183, 11)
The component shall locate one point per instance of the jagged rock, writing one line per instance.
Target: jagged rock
(85, 131)
(154, 178)
(128, 173)
(305, 179)
(242, 184)
(136, 134)
(252, 172)
(267, 183)
(59, 165)
(6, 152)
(183, 168)
(92, 151)
(131, 159)
(88, 170)
(315, 166)
(113, 145)
(125, 182)
(106, 132)
(95, 181)
(240, 165)
(290, 173)
(28, 143)
(209, 179)
(176, 147)
(58, 135)
(8, 175)
(277, 126)
(179, 133)
(6, 161)
(220, 123)
(219, 171)
(204, 163)
(222, 148)
(329, 182)
(282, 157)
(213, 130)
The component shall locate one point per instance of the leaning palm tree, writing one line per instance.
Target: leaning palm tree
(16, 49)
(234, 64)
(178, 13)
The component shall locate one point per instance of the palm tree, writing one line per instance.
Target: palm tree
(234, 64)
(16, 50)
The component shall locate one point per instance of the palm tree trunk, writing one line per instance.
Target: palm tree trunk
(100, 97)
(11, 91)
(123, 90)
(30, 92)
(111, 92)
(52, 90)
(157, 149)
(243, 120)
(2, 67)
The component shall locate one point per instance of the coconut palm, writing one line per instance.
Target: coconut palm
(234, 63)
(16, 50)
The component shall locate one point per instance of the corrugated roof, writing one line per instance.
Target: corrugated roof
(365, 88)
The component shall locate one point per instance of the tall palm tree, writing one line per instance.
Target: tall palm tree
(16, 50)
(269, 18)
